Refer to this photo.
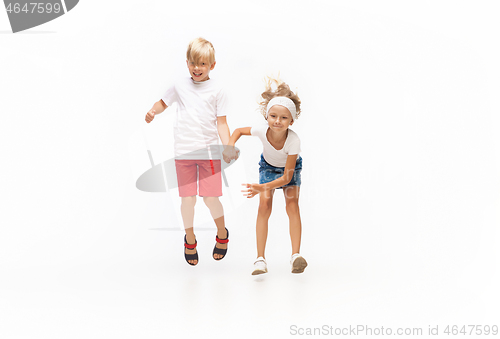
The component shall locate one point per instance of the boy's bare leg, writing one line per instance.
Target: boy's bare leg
(292, 209)
(187, 212)
(217, 212)
(265, 208)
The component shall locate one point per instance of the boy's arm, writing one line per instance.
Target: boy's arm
(223, 129)
(158, 107)
(254, 189)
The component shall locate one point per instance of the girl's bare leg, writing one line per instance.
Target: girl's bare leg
(292, 209)
(265, 208)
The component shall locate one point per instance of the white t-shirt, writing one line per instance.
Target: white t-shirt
(274, 157)
(195, 128)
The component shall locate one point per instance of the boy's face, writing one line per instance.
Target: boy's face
(279, 118)
(201, 71)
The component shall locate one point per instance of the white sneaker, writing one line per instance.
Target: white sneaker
(259, 266)
(298, 263)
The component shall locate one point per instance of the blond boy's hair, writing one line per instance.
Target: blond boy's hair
(282, 90)
(200, 50)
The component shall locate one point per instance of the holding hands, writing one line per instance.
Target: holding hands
(230, 153)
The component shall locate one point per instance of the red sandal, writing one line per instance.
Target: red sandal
(221, 251)
(193, 256)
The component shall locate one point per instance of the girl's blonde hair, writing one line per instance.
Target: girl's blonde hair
(282, 90)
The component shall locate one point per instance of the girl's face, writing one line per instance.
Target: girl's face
(279, 118)
(201, 71)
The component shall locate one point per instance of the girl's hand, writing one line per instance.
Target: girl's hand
(150, 116)
(252, 190)
(230, 153)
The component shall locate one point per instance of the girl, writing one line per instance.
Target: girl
(280, 167)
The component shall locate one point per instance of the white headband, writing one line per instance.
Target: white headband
(285, 102)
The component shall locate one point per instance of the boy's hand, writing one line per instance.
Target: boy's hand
(230, 153)
(252, 190)
(150, 116)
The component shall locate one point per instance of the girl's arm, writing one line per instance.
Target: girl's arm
(237, 134)
(230, 152)
(254, 189)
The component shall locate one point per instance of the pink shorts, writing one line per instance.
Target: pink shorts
(206, 172)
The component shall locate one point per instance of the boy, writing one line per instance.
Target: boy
(200, 120)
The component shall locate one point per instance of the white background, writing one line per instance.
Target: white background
(400, 197)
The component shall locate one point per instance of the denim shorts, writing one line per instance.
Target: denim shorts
(268, 173)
